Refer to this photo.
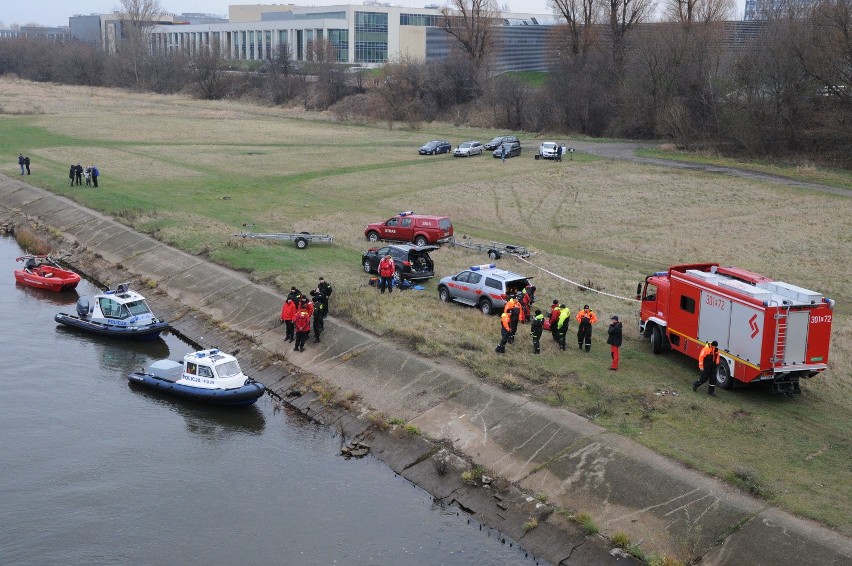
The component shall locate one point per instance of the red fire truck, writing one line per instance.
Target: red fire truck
(767, 330)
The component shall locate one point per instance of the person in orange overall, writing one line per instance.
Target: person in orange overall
(505, 332)
(613, 338)
(513, 307)
(586, 318)
(708, 360)
(288, 317)
(553, 322)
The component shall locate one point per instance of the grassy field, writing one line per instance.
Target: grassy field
(804, 171)
(191, 173)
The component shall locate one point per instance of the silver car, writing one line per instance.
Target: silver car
(468, 148)
(483, 286)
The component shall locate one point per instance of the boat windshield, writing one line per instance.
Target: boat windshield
(138, 307)
(228, 369)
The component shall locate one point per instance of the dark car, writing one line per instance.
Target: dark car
(500, 140)
(436, 146)
(512, 150)
(412, 262)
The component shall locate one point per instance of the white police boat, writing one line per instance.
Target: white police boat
(211, 376)
(121, 312)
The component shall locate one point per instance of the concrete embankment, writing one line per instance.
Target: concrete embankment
(571, 462)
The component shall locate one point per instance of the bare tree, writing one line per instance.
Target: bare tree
(471, 23)
(207, 68)
(624, 16)
(689, 12)
(134, 46)
(580, 16)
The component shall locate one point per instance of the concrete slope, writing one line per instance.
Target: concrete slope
(576, 464)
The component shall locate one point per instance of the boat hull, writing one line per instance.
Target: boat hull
(147, 332)
(60, 279)
(240, 396)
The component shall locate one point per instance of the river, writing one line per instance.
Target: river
(94, 471)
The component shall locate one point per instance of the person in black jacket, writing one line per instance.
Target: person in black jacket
(536, 328)
(27, 163)
(78, 174)
(319, 315)
(325, 289)
(614, 341)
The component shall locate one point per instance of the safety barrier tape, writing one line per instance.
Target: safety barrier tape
(580, 285)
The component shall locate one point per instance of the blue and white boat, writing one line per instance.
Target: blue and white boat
(211, 376)
(121, 312)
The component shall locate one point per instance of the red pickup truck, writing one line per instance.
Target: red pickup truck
(409, 227)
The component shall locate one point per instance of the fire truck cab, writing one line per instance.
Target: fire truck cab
(767, 330)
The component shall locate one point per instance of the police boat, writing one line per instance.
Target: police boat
(210, 376)
(121, 312)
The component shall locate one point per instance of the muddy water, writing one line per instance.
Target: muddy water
(94, 471)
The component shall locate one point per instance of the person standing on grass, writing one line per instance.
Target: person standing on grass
(536, 328)
(387, 269)
(614, 340)
(503, 153)
(708, 360)
(554, 320)
(586, 318)
(505, 332)
(303, 327)
(21, 162)
(562, 325)
(558, 152)
(27, 163)
(78, 174)
(72, 174)
(95, 175)
(513, 307)
(87, 173)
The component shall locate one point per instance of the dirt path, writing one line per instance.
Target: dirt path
(627, 152)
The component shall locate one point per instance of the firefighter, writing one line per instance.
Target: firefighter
(586, 318)
(527, 299)
(554, 320)
(614, 340)
(562, 325)
(387, 268)
(505, 332)
(536, 328)
(708, 359)
(326, 290)
(319, 315)
(513, 307)
(288, 316)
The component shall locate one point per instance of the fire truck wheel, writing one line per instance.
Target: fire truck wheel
(656, 340)
(723, 375)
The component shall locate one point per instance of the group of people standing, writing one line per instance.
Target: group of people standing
(24, 163)
(78, 172)
(298, 314)
(557, 322)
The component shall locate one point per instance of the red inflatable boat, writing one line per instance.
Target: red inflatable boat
(42, 272)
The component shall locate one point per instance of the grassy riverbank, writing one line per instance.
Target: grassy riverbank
(191, 173)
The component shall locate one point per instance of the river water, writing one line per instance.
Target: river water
(94, 471)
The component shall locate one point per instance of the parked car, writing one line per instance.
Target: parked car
(512, 149)
(547, 150)
(500, 140)
(467, 149)
(436, 146)
(484, 286)
(412, 262)
(409, 227)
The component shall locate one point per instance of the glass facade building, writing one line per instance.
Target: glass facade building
(371, 37)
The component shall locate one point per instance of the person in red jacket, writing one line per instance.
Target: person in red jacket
(303, 328)
(288, 316)
(708, 360)
(387, 269)
(553, 322)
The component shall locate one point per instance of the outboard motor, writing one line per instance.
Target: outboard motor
(83, 307)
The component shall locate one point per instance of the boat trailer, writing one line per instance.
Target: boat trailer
(301, 239)
(495, 250)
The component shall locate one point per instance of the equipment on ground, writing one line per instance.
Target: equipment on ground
(301, 239)
(767, 330)
(495, 250)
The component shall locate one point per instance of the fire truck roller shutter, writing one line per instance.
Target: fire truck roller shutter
(714, 322)
(746, 332)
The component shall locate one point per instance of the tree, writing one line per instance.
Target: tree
(471, 23)
(330, 85)
(134, 46)
(698, 11)
(580, 16)
(207, 68)
(624, 16)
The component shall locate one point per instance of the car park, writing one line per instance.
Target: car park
(484, 286)
(412, 262)
(435, 147)
(467, 149)
(513, 149)
(406, 226)
(500, 140)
